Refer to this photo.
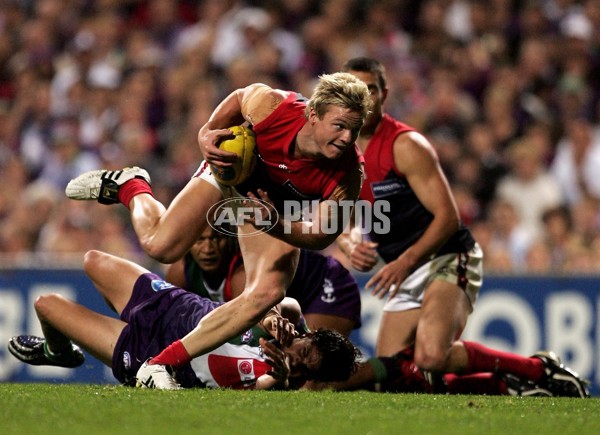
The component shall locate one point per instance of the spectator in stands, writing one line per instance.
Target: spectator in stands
(65, 58)
(528, 187)
(577, 161)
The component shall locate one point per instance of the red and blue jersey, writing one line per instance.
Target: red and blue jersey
(408, 216)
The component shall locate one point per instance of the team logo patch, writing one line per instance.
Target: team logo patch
(245, 367)
(248, 336)
(160, 285)
(328, 296)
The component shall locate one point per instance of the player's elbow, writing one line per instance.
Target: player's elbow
(259, 302)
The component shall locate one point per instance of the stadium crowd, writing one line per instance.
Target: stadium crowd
(508, 91)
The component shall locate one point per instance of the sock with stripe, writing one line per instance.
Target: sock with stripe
(132, 188)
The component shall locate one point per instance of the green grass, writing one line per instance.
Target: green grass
(100, 409)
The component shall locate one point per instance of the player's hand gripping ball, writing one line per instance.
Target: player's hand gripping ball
(243, 144)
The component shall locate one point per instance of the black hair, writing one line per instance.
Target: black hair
(339, 357)
(367, 65)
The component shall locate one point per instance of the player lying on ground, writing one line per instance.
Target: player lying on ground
(493, 373)
(327, 292)
(153, 313)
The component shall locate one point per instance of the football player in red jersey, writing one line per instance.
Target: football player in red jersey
(306, 151)
(433, 268)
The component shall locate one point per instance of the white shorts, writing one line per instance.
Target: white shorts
(231, 197)
(205, 173)
(464, 270)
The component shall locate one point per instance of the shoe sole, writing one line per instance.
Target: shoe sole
(85, 187)
(573, 381)
(12, 348)
(536, 392)
(19, 352)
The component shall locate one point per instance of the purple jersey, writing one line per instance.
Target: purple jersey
(157, 314)
(322, 285)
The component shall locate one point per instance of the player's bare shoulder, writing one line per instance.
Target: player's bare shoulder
(411, 150)
(260, 100)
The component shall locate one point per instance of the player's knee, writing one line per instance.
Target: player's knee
(45, 304)
(431, 358)
(92, 259)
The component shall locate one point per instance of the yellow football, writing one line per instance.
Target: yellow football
(243, 144)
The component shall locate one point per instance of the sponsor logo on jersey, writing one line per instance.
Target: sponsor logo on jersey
(386, 188)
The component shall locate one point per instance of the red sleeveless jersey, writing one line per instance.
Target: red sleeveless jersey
(408, 217)
(300, 178)
(379, 156)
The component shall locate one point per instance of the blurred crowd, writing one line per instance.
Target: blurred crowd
(508, 91)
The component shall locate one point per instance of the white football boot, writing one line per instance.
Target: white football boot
(103, 184)
(155, 376)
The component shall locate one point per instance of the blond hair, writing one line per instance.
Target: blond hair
(340, 89)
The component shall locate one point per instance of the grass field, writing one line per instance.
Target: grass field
(101, 409)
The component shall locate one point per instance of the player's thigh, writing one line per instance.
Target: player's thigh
(95, 332)
(444, 314)
(171, 233)
(397, 331)
(270, 263)
(114, 277)
(340, 324)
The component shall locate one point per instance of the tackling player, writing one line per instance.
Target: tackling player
(153, 313)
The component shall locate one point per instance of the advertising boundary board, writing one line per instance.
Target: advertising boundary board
(517, 314)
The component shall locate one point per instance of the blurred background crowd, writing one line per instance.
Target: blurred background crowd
(508, 91)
